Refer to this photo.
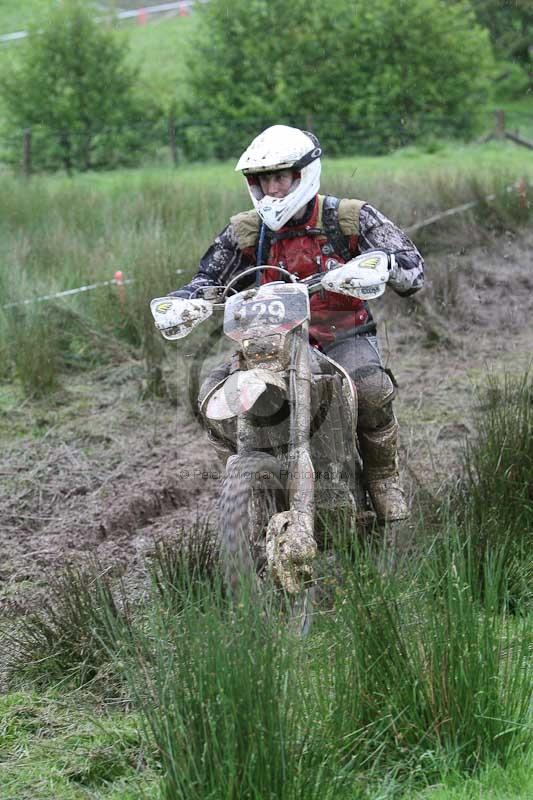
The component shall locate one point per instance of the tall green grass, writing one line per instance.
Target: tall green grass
(403, 682)
(220, 699)
(494, 499)
(60, 237)
(61, 234)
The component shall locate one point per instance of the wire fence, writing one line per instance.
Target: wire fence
(173, 139)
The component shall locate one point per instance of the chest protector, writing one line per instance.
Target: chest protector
(331, 232)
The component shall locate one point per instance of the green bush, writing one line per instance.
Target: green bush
(512, 81)
(401, 71)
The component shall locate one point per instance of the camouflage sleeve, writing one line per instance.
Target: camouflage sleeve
(376, 232)
(221, 261)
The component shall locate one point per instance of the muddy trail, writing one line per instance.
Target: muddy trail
(95, 471)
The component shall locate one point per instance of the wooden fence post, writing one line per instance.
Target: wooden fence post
(521, 188)
(172, 137)
(499, 124)
(26, 153)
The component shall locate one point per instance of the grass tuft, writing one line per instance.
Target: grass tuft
(181, 566)
(494, 500)
(34, 350)
(404, 679)
(66, 641)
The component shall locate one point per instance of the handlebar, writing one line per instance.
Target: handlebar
(313, 282)
(253, 270)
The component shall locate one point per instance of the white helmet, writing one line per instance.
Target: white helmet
(281, 147)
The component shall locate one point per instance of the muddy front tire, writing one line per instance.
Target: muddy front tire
(252, 492)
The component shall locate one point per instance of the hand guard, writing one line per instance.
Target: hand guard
(364, 277)
(175, 317)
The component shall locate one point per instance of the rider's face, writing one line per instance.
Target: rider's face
(276, 184)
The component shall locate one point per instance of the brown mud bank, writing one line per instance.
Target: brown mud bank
(95, 470)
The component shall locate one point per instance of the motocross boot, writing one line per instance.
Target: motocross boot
(380, 470)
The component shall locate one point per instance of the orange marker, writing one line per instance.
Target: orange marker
(119, 280)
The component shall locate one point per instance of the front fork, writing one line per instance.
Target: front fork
(301, 473)
(290, 542)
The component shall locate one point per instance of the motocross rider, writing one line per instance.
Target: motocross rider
(294, 227)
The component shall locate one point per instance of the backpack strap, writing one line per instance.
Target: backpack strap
(262, 251)
(264, 241)
(337, 240)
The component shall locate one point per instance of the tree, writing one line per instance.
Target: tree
(72, 86)
(367, 76)
(510, 23)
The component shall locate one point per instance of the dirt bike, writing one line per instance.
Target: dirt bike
(285, 417)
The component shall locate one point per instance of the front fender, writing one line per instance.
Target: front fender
(240, 392)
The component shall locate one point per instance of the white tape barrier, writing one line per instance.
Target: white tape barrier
(69, 292)
(140, 13)
(118, 280)
(184, 5)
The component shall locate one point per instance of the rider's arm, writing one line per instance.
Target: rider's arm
(221, 261)
(377, 232)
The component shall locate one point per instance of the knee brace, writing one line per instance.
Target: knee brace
(379, 448)
(375, 393)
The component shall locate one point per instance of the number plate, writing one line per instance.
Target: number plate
(273, 308)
